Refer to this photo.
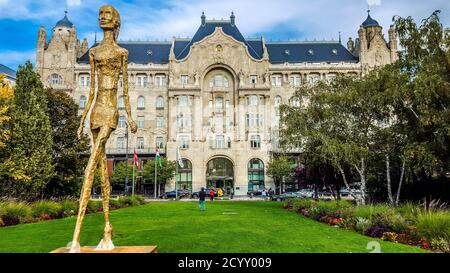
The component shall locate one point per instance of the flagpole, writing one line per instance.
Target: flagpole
(176, 182)
(156, 170)
(132, 189)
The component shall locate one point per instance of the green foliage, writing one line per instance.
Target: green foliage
(69, 153)
(119, 174)
(15, 211)
(131, 201)
(31, 139)
(94, 206)
(440, 244)
(362, 224)
(279, 168)
(434, 225)
(165, 172)
(51, 208)
(372, 210)
(69, 207)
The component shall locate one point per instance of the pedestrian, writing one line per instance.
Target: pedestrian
(201, 199)
(211, 194)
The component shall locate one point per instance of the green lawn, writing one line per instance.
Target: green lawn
(180, 227)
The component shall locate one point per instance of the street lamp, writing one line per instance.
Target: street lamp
(126, 156)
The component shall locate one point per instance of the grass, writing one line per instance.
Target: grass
(179, 227)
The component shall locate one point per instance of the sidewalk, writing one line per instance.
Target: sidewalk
(235, 198)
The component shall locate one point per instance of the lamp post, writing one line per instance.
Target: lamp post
(126, 156)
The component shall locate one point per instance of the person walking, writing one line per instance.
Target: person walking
(211, 194)
(201, 199)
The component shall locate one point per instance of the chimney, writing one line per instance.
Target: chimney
(203, 19)
(232, 19)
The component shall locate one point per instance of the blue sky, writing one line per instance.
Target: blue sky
(163, 19)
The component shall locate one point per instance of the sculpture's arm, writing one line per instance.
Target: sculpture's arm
(132, 124)
(91, 93)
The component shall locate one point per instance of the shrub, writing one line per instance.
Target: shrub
(375, 231)
(129, 201)
(440, 244)
(1, 222)
(434, 225)
(50, 208)
(362, 224)
(114, 204)
(370, 211)
(69, 207)
(94, 206)
(409, 212)
(13, 213)
(303, 203)
(389, 236)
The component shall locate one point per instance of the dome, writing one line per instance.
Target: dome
(64, 22)
(370, 22)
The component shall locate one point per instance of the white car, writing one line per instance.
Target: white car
(306, 193)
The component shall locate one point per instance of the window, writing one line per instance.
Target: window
(159, 142)
(142, 80)
(184, 100)
(120, 81)
(252, 100)
(140, 122)
(253, 79)
(276, 80)
(227, 104)
(184, 142)
(255, 142)
(141, 102)
(159, 102)
(120, 143)
(122, 122)
(184, 175)
(295, 102)
(210, 104)
(219, 103)
(220, 142)
(121, 103)
(313, 78)
(218, 81)
(184, 120)
(160, 80)
(84, 80)
(331, 77)
(295, 80)
(56, 79)
(255, 175)
(140, 143)
(218, 120)
(160, 122)
(254, 120)
(277, 103)
(184, 80)
(82, 102)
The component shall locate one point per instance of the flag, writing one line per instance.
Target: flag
(158, 158)
(180, 161)
(136, 159)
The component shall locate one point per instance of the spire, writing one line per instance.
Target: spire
(64, 22)
(232, 18)
(370, 22)
(203, 18)
(339, 37)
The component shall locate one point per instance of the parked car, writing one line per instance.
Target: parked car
(306, 193)
(284, 196)
(171, 194)
(195, 194)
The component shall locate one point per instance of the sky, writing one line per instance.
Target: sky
(164, 19)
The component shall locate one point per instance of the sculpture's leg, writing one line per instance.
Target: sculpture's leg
(106, 242)
(99, 144)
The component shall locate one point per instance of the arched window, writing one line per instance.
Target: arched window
(218, 81)
(184, 175)
(277, 101)
(121, 103)
(160, 102)
(255, 175)
(141, 102)
(82, 102)
(56, 79)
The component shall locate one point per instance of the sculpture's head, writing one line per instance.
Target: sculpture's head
(109, 19)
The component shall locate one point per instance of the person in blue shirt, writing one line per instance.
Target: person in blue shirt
(201, 199)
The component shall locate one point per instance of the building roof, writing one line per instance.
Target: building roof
(7, 71)
(279, 52)
(370, 22)
(64, 22)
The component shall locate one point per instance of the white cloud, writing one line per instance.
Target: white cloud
(73, 3)
(13, 58)
(374, 2)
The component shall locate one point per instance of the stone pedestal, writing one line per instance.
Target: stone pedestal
(118, 249)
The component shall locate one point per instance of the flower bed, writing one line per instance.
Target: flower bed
(14, 212)
(407, 224)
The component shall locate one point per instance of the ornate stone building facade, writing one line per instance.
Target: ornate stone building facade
(215, 97)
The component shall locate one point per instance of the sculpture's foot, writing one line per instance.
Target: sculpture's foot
(106, 243)
(74, 247)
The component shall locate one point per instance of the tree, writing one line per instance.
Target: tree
(120, 172)
(6, 95)
(165, 171)
(31, 137)
(68, 152)
(279, 168)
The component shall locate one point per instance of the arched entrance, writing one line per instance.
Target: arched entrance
(220, 174)
(255, 175)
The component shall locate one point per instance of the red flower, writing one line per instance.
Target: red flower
(425, 245)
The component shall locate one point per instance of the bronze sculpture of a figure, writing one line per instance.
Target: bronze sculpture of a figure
(107, 60)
